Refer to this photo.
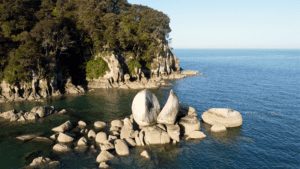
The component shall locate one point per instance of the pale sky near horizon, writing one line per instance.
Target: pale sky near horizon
(231, 23)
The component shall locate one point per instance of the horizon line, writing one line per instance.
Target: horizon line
(236, 48)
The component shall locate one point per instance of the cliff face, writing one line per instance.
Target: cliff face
(164, 66)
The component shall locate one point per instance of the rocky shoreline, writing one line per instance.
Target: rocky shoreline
(41, 89)
(149, 124)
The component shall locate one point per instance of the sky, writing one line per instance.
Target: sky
(231, 23)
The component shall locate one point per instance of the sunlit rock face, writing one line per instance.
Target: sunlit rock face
(145, 108)
(169, 113)
(226, 117)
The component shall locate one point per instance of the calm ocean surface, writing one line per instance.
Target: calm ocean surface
(264, 85)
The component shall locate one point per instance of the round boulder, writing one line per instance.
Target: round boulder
(63, 138)
(223, 116)
(121, 147)
(145, 108)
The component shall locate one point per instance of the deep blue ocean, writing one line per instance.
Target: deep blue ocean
(264, 85)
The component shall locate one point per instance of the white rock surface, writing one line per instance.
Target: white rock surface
(104, 156)
(63, 127)
(145, 108)
(217, 128)
(117, 123)
(169, 112)
(226, 117)
(145, 154)
(121, 147)
(196, 135)
(91, 134)
(64, 138)
(155, 135)
(61, 148)
(101, 137)
(99, 125)
(82, 142)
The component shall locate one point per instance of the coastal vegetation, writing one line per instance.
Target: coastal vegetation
(53, 38)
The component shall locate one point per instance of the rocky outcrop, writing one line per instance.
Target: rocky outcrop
(37, 89)
(169, 112)
(155, 135)
(164, 66)
(43, 163)
(223, 116)
(120, 135)
(30, 116)
(145, 108)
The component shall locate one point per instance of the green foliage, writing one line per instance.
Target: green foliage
(132, 64)
(96, 68)
(57, 37)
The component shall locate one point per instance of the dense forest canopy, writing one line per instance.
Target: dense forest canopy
(49, 37)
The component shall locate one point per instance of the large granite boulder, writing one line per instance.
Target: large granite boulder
(169, 112)
(155, 135)
(121, 147)
(226, 117)
(174, 132)
(145, 108)
(189, 123)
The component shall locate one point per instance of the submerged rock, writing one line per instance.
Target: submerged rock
(104, 156)
(224, 116)
(27, 137)
(217, 128)
(103, 165)
(169, 112)
(196, 135)
(43, 163)
(145, 154)
(145, 108)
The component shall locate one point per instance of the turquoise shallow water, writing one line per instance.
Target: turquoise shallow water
(264, 85)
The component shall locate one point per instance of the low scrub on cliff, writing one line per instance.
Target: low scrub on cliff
(96, 68)
(54, 38)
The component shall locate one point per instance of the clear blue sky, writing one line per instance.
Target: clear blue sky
(231, 23)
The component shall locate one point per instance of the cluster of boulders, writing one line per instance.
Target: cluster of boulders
(32, 115)
(43, 163)
(222, 118)
(147, 125)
